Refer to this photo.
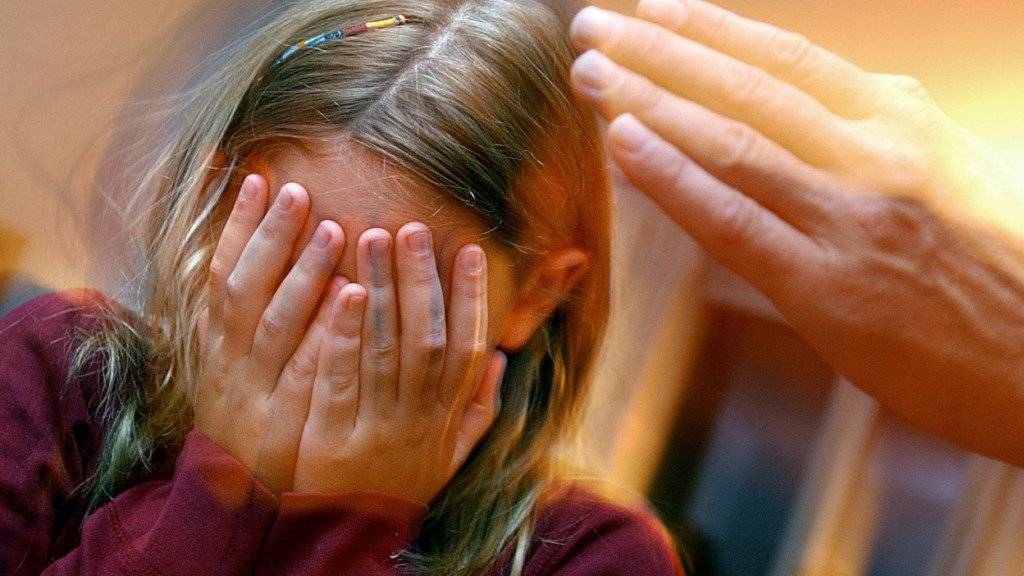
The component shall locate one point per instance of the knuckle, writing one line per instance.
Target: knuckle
(301, 368)
(423, 274)
(383, 348)
(342, 383)
(380, 279)
(342, 367)
(748, 88)
(900, 226)
(738, 222)
(471, 289)
(677, 172)
(345, 344)
(233, 289)
(382, 368)
(272, 325)
(656, 43)
(716, 24)
(912, 85)
(434, 343)
(905, 84)
(738, 149)
(219, 272)
(791, 50)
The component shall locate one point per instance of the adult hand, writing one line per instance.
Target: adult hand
(868, 218)
(255, 336)
(401, 395)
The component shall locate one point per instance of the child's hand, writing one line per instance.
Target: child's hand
(401, 397)
(258, 350)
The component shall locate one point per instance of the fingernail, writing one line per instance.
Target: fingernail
(379, 247)
(589, 26)
(322, 237)
(472, 260)
(419, 241)
(593, 71)
(627, 133)
(286, 198)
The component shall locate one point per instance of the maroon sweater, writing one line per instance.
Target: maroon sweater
(203, 512)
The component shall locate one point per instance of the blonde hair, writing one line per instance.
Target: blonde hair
(471, 98)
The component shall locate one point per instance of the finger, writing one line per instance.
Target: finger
(840, 85)
(738, 90)
(336, 393)
(379, 362)
(286, 318)
(907, 85)
(255, 279)
(732, 151)
(291, 398)
(421, 309)
(306, 358)
(467, 329)
(481, 411)
(249, 209)
(734, 229)
(326, 308)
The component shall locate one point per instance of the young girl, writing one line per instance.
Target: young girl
(262, 414)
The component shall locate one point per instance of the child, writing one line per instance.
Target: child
(261, 414)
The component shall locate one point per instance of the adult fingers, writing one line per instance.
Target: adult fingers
(335, 403)
(734, 229)
(286, 318)
(380, 355)
(249, 209)
(467, 329)
(736, 89)
(732, 151)
(481, 411)
(421, 309)
(843, 87)
(253, 282)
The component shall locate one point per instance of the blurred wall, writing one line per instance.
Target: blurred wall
(68, 67)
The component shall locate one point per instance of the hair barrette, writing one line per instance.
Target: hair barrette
(353, 30)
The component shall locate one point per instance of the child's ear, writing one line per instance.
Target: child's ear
(546, 287)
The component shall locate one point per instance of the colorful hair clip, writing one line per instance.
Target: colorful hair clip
(353, 30)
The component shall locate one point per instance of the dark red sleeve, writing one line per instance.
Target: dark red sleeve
(211, 516)
(585, 535)
(355, 533)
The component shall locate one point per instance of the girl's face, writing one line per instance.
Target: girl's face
(359, 191)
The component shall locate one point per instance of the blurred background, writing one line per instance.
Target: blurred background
(755, 454)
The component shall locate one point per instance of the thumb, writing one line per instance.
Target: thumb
(481, 411)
